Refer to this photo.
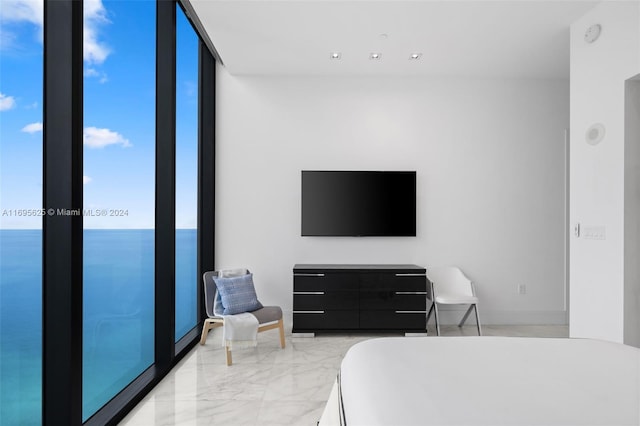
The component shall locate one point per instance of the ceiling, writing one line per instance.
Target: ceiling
(508, 38)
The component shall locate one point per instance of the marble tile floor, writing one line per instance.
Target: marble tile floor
(267, 385)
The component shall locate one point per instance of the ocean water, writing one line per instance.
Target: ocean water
(118, 327)
(20, 326)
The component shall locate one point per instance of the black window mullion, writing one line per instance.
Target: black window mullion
(206, 167)
(62, 232)
(165, 241)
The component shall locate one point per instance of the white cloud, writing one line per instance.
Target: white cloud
(23, 10)
(94, 137)
(95, 15)
(7, 39)
(6, 102)
(91, 72)
(31, 11)
(32, 128)
(86, 179)
(32, 106)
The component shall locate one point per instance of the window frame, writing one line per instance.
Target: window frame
(62, 292)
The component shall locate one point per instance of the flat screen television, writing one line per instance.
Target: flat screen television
(358, 203)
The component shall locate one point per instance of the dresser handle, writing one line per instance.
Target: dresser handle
(411, 292)
(410, 275)
(308, 312)
(411, 312)
(308, 292)
(307, 275)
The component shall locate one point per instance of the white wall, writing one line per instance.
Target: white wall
(489, 156)
(598, 74)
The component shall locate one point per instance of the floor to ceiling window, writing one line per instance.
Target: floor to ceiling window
(100, 59)
(21, 76)
(119, 196)
(186, 174)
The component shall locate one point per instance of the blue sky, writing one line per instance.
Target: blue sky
(119, 113)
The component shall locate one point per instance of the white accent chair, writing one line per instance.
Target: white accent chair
(449, 286)
(269, 317)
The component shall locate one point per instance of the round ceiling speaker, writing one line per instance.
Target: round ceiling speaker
(595, 134)
(592, 34)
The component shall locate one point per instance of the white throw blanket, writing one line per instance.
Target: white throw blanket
(240, 331)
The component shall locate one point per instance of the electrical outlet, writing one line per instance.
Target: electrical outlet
(522, 289)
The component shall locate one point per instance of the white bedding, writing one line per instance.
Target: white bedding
(489, 381)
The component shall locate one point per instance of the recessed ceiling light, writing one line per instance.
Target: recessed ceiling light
(415, 56)
(336, 55)
(375, 56)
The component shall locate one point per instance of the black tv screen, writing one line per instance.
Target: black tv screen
(358, 203)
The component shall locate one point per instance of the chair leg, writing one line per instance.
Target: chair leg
(435, 310)
(281, 327)
(466, 315)
(428, 316)
(228, 354)
(477, 319)
(206, 328)
(205, 331)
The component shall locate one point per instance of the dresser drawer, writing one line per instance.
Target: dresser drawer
(393, 300)
(321, 300)
(324, 282)
(324, 320)
(394, 281)
(393, 320)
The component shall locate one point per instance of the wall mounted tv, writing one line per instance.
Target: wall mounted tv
(358, 203)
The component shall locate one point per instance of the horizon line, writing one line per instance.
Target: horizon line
(90, 229)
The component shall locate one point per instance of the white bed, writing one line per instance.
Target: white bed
(486, 381)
